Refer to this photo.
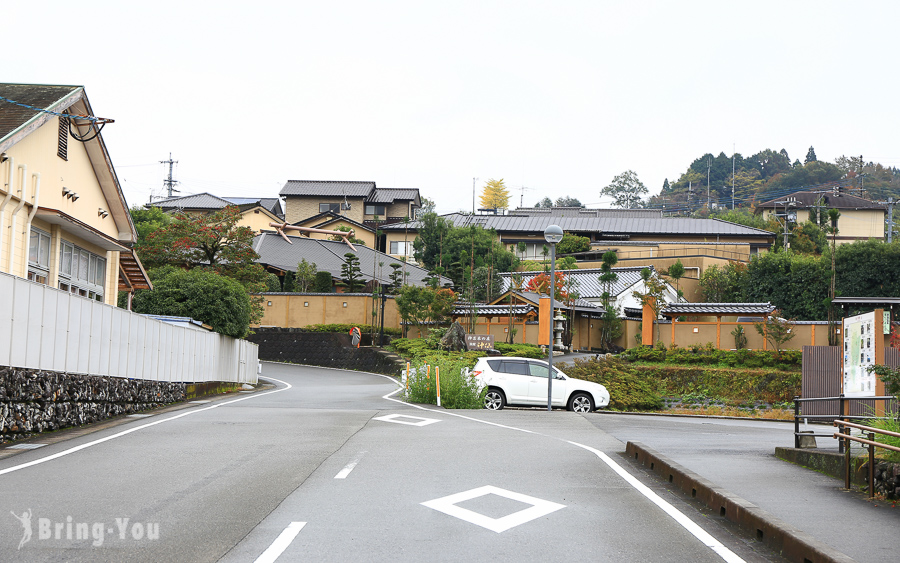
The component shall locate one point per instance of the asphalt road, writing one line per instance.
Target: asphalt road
(325, 467)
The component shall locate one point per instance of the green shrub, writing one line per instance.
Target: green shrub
(458, 391)
(523, 350)
(708, 355)
(733, 386)
(628, 390)
(345, 328)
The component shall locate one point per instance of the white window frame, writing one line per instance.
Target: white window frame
(85, 273)
(39, 256)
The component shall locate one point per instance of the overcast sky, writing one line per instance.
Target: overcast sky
(557, 97)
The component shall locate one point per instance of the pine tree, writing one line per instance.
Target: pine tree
(351, 279)
(289, 282)
(810, 156)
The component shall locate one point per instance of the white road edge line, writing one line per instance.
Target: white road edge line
(676, 514)
(281, 543)
(342, 474)
(141, 427)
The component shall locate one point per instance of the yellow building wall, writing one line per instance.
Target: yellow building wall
(853, 224)
(298, 208)
(298, 311)
(257, 220)
(38, 152)
(394, 236)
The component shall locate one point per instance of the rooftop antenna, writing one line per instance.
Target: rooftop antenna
(169, 182)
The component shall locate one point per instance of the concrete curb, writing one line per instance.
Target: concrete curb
(779, 536)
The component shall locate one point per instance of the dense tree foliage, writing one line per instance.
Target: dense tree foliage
(799, 284)
(456, 250)
(626, 189)
(201, 294)
(567, 201)
(211, 241)
(418, 305)
(572, 243)
(495, 195)
(768, 174)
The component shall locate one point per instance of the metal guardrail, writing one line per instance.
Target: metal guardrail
(844, 435)
(843, 415)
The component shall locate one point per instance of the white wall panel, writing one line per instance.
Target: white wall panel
(61, 326)
(105, 339)
(136, 347)
(21, 306)
(33, 332)
(7, 298)
(72, 334)
(45, 328)
(49, 329)
(115, 341)
(84, 334)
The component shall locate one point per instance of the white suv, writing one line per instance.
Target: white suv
(523, 381)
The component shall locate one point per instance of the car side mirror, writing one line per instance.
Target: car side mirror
(559, 376)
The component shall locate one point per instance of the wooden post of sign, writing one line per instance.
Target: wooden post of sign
(878, 337)
(407, 376)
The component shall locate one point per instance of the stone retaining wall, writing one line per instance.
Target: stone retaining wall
(33, 401)
(325, 349)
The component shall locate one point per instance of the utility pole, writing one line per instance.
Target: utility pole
(890, 219)
(169, 182)
(732, 176)
(708, 167)
(473, 196)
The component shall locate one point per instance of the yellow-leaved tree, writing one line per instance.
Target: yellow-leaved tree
(495, 195)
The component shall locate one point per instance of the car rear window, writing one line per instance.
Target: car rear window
(494, 364)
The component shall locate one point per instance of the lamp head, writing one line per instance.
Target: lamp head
(553, 234)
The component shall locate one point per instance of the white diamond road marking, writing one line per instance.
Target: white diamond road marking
(25, 446)
(396, 419)
(539, 507)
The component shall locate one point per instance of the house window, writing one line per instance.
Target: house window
(375, 210)
(334, 207)
(39, 256)
(401, 248)
(62, 149)
(81, 272)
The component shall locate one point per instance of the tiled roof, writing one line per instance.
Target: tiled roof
(55, 98)
(327, 217)
(328, 256)
(587, 281)
(584, 212)
(327, 188)
(513, 224)
(271, 204)
(579, 304)
(494, 310)
(805, 200)
(676, 309)
(196, 201)
(390, 195)
(209, 201)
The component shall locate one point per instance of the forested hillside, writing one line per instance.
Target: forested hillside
(769, 174)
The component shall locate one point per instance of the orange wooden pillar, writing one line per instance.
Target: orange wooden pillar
(647, 320)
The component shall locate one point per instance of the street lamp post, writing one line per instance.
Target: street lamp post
(552, 234)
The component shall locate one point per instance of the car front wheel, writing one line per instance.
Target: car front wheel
(494, 399)
(581, 402)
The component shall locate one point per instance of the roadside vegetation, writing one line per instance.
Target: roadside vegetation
(681, 381)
